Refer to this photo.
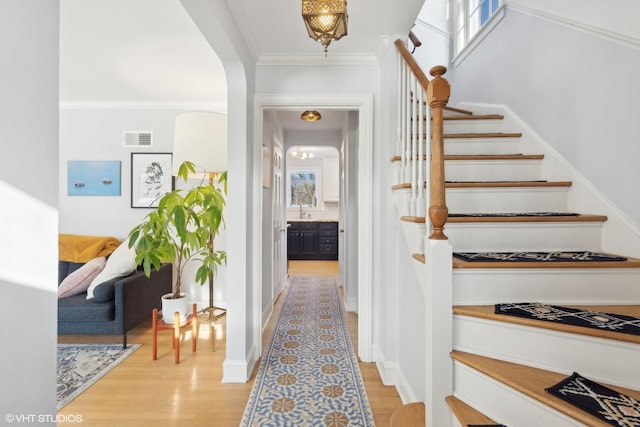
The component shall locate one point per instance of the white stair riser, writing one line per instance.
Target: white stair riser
(474, 126)
(510, 199)
(578, 286)
(518, 236)
(403, 201)
(481, 146)
(492, 170)
(551, 350)
(502, 403)
(414, 235)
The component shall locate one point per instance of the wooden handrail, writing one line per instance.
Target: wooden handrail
(413, 65)
(438, 92)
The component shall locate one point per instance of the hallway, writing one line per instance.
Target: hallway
(140, 391)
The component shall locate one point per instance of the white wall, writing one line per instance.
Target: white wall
(28, 217)
(432, 29)
(96, 134)
(617, 17)
(576, 89)
(215, 20)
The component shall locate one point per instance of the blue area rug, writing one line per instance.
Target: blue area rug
(81, 365)
(309, 374)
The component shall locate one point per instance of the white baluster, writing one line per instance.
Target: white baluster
(421, 210)
(398, 151)
(427, 146)
(415, 87)
(407, 125)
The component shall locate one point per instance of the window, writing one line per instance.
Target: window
(303, 189)
(469, 17)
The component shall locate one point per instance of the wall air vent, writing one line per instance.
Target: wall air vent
(138, 139)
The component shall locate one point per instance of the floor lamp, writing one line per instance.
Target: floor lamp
(201, 138)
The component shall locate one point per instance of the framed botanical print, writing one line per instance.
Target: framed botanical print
(150, 178)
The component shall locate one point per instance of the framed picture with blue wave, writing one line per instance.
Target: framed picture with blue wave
(93, 177)
(150, 178)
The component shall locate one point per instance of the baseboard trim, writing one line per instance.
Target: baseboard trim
(239, 371)
(392, 375)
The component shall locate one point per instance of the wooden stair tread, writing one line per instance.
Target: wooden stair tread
(495, 184)
(475, 117)
(629, 263)
(558, 218)
(528, 219)
(482, 135)
(465, 413)
(419, 257)
(458, 110)
(494, 157)
(509, 184)
(411, 414)
(532, 382)
(487, 312)
(482, 157)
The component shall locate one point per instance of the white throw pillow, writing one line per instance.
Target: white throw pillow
(78, 281)
(121, 262)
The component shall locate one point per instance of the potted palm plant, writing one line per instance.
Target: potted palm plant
(181, 229)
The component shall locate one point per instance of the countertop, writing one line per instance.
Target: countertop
(312, 220)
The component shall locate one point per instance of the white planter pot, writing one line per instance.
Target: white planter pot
(171, 305)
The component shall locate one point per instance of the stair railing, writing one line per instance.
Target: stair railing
(421, 147)
(417, 126)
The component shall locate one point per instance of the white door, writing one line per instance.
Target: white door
(279, 225)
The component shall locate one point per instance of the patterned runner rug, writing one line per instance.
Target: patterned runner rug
(572, 316)
(610, 406)
(309, 374)
(81, 365)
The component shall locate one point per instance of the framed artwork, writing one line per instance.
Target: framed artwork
(93, 178)
(150, 178)
(266, 167)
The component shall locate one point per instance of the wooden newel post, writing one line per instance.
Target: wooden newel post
(438, 95)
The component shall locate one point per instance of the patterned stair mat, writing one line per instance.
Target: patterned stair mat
(510, 214)
(582, 256)
(572, 316)
(602, 402)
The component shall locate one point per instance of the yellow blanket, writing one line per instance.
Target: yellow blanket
(79, 248)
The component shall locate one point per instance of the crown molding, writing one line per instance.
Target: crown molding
(612, 36)
(240, 16)
(215, 107)
(432, 28)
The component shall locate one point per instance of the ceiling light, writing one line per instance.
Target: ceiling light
(311, 116)
(326, 20)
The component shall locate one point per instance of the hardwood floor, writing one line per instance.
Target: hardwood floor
(141, 391)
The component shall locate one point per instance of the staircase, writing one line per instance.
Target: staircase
(500, 365)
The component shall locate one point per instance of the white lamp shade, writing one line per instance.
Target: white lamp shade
(201, 138)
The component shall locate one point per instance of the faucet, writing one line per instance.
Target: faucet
(301, 213)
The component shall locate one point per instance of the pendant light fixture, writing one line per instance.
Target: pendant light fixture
(311, 116)
(326, 20)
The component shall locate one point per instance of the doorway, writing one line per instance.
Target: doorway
(361, 263)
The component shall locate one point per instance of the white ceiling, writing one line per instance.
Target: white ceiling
(150, 51)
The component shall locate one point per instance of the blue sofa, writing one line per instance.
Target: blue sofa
(118, 304)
